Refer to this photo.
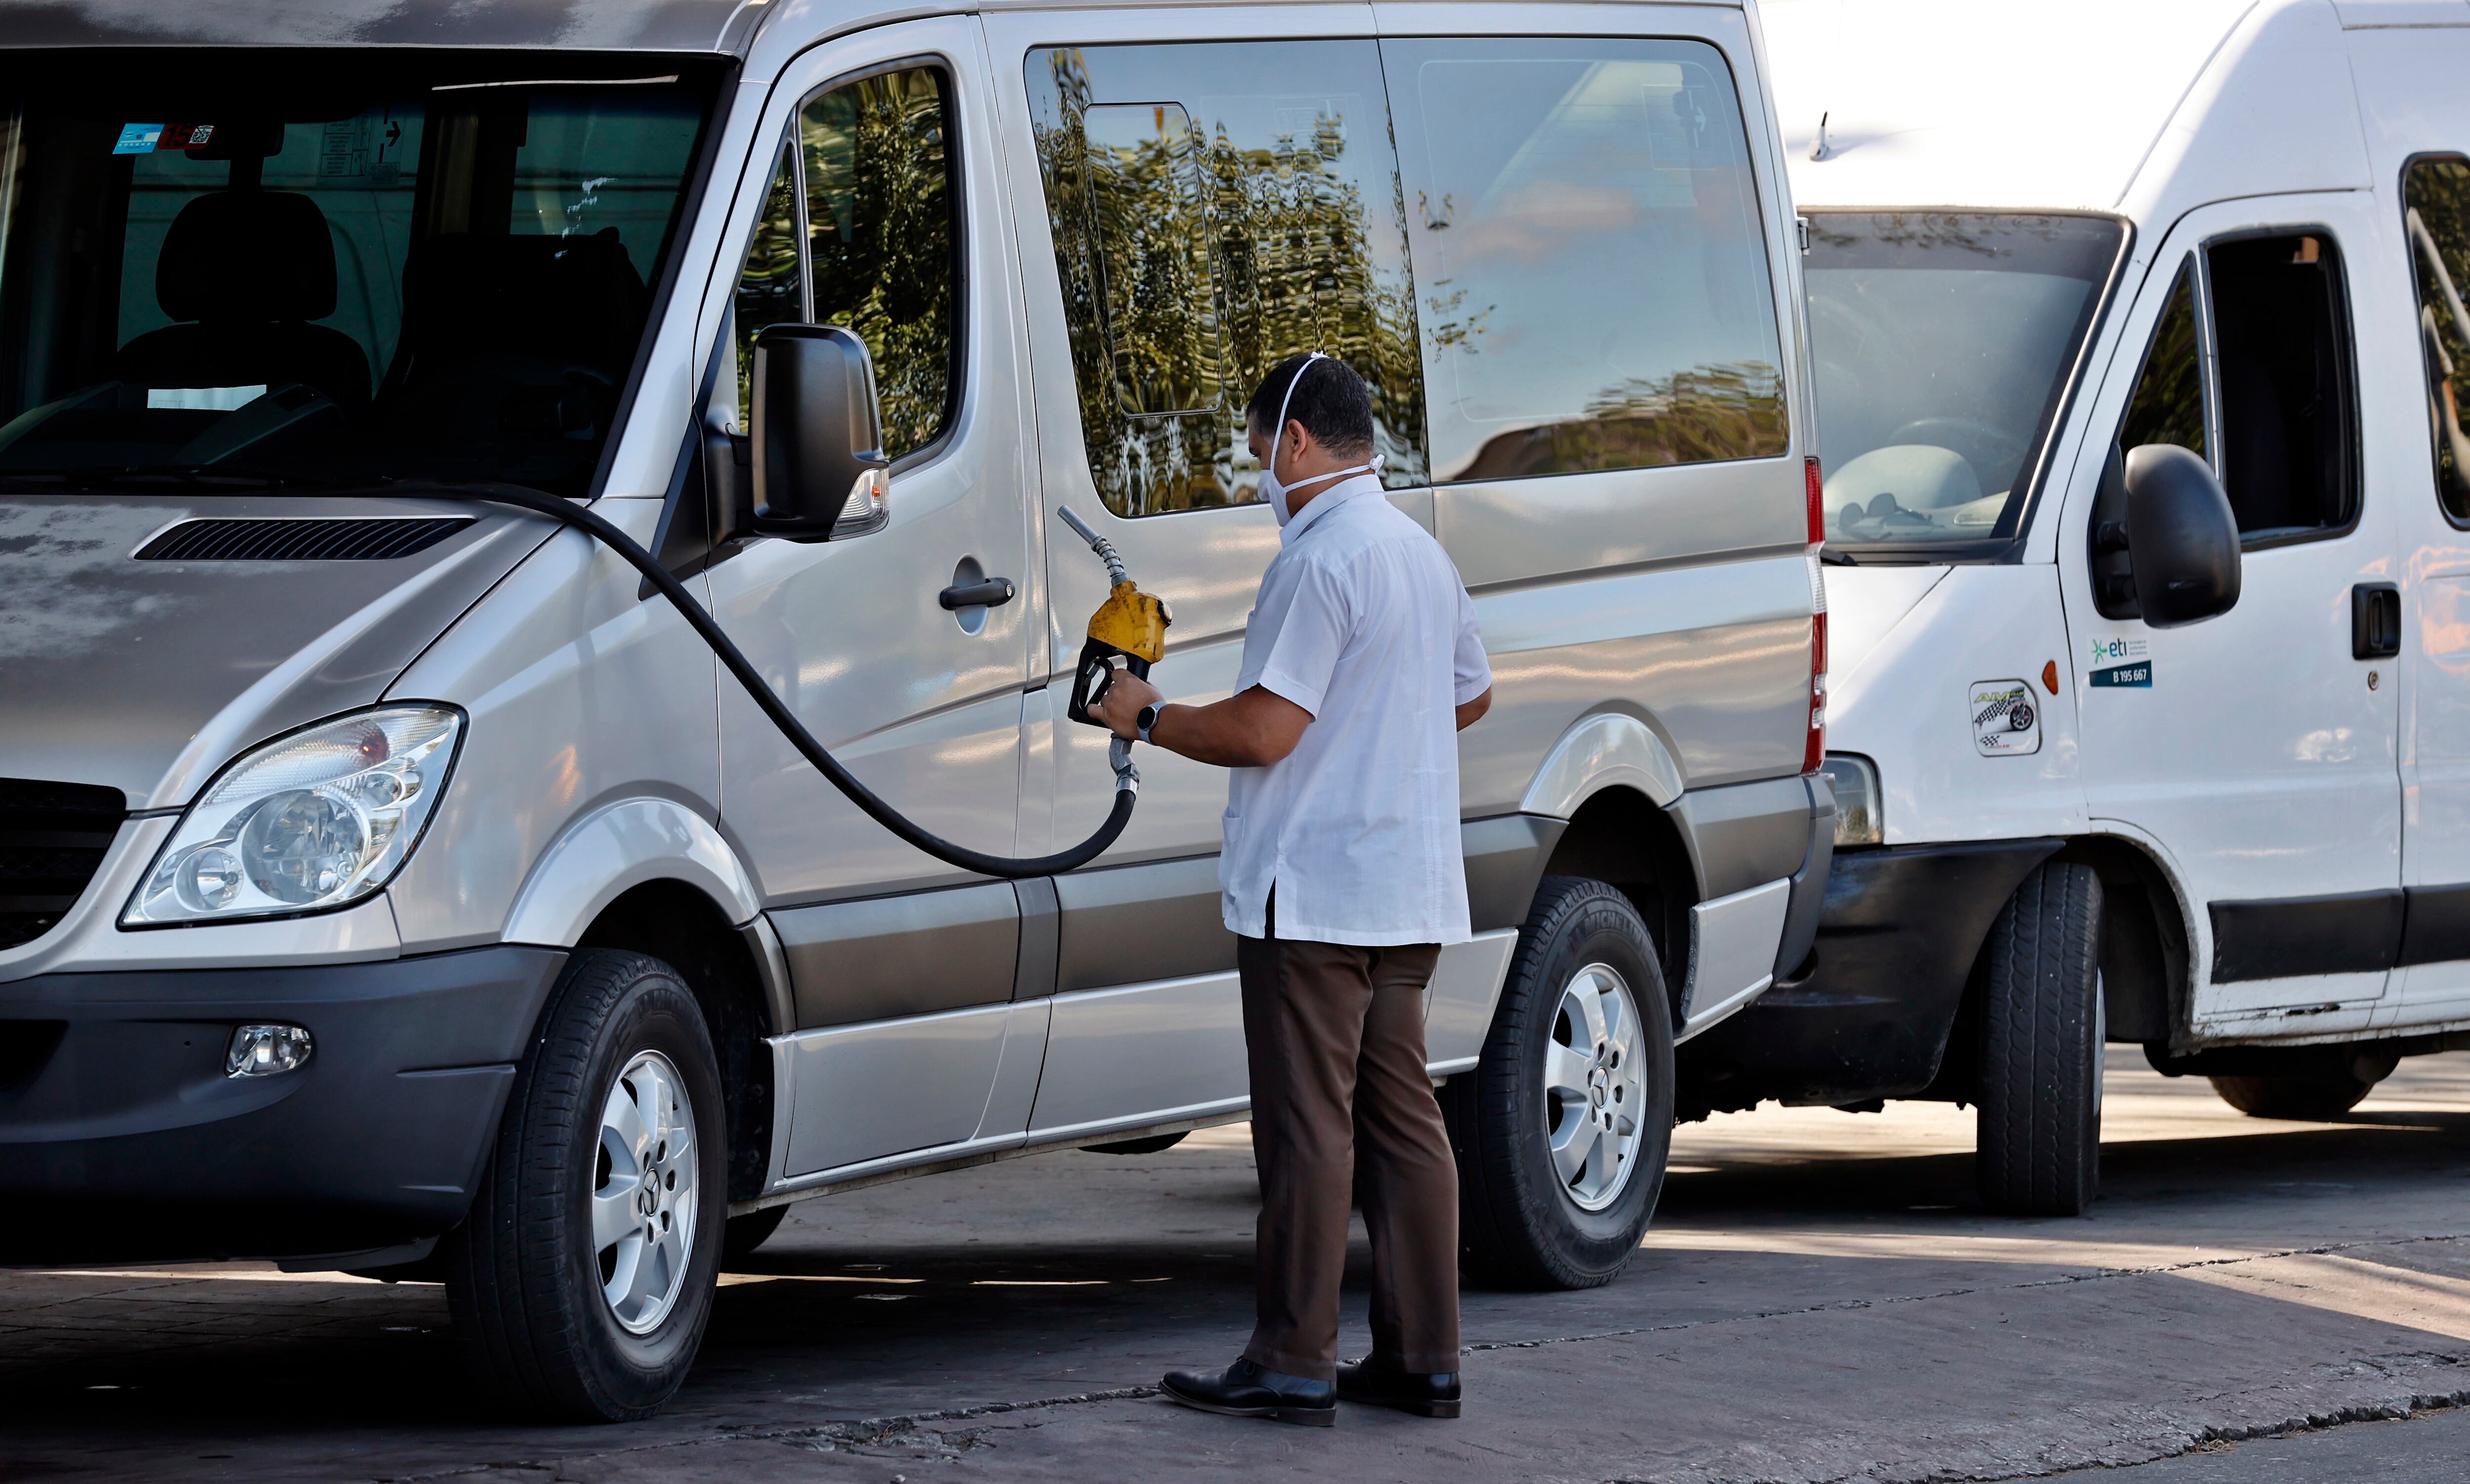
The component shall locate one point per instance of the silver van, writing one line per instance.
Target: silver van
(397, 881)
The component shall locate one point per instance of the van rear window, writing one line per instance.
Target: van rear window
(1590, 256)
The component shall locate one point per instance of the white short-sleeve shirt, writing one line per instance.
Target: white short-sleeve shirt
(1362, 622)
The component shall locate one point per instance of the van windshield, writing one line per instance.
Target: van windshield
(328, 268)
(1945, 342)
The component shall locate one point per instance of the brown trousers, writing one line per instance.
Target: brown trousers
(1342, 1108)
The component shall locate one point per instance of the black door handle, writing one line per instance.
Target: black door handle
(990, 592)
(2375, 620)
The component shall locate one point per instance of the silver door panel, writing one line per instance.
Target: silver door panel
(1717, 655)
(894, 956)
(849, 633)
(1183, 803)
(1141, 923)
(862, 1092)
(1457, 1010)
(1143, 1054)
(1520, 530)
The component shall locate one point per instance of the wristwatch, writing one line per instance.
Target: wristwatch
(1147, 719)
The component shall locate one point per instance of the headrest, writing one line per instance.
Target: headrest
(247, 255)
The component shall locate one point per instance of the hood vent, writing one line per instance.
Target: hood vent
(53, 836)
(299, 540)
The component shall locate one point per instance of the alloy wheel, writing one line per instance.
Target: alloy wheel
(1595, 1086)
(644, 1195)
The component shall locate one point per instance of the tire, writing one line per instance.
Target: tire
(2038, 1147)
(1529, 1217)
(744, 1234)
(526, 1272)
(2314, 1098)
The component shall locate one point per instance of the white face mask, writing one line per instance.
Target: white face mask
(1271, 490)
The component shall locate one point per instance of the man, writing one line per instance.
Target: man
(1343, 878)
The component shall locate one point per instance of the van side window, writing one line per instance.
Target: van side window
(860, 229)
(2436, 201)
(882, 245)
(1592, 266)
(2168, 406)
(1150, 248)
(772, 287)
(2281, 333)
(1217, 207)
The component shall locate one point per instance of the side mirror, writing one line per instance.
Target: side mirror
(2172, 556)
(817, 436)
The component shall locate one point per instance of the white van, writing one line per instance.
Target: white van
(392, 880)
(2135, 743)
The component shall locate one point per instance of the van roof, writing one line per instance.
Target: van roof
(2078, 104)
(621, 25)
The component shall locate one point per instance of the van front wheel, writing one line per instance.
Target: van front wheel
(583, 1277)
(2038, 1141)
(1562, 1129)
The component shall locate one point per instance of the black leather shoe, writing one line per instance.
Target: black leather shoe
(1245, 1389)
(1376, 1381)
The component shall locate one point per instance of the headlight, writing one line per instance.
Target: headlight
(1858, 819)
(317, 820)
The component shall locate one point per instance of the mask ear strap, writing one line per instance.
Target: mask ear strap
(1278, 434)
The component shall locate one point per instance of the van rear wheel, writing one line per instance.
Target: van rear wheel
(582, 1279)
(2312, 1098)
(2037, 1145)
(1562, 1129)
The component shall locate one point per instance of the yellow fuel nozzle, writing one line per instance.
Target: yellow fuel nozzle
(1133, 622)
(1129, 630)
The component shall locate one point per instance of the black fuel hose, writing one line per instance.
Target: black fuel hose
(1128, 779)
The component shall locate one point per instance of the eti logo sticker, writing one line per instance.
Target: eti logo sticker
(2006, 721)
(2121, 662)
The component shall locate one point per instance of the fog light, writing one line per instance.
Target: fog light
(266, 1050)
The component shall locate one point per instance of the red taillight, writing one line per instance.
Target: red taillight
(1814, 751)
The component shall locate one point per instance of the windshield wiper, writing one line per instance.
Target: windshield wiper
(183, 475)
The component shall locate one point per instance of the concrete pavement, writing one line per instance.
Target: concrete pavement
(1821, 1299)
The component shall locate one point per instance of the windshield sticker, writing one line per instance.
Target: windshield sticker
(146, 138)
(2121, 663)
(2005, 722)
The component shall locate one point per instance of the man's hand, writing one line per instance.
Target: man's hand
(1252, 729)
(1120, 708)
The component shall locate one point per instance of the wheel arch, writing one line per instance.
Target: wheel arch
(2146, 958)
(1621, 836)
(615, 848)
(725, 966)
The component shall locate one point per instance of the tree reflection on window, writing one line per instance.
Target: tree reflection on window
(2436, 214)
(1215, 209)
(2168, 405)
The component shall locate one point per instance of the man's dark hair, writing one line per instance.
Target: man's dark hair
(1332, 403)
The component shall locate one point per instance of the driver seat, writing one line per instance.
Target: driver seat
(245, 271)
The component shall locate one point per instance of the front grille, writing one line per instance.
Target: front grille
(373, 540)
(53, 836)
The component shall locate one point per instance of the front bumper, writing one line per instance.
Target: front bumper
(1897, 941)
(121, 1137)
